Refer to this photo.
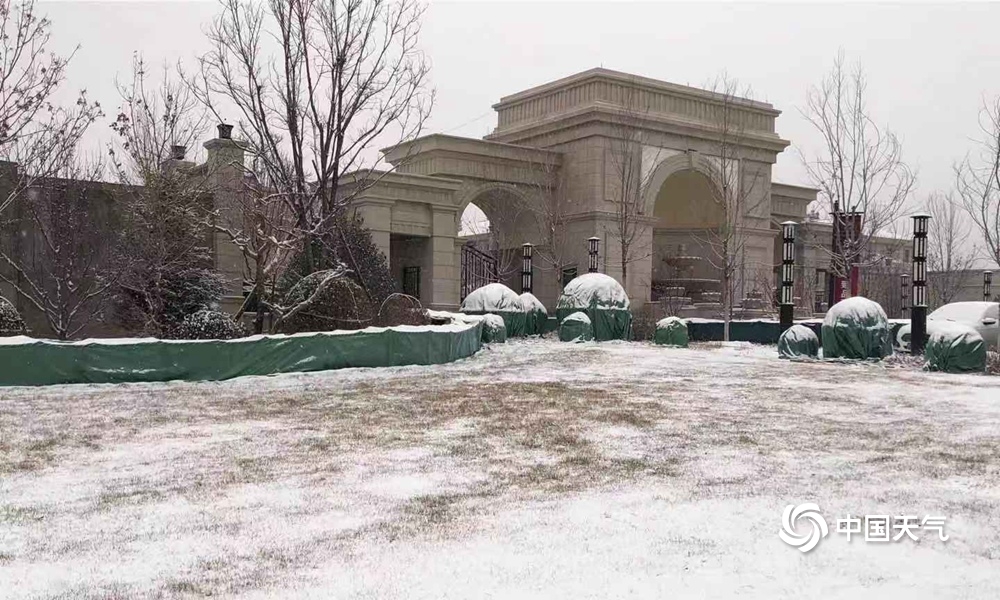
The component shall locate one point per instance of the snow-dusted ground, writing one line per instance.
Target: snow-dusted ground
(532, 470)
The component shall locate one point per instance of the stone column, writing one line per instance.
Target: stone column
(440, 271)
(377, 217)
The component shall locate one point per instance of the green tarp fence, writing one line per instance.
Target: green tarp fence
(955, 348)
(43, 362)
(757, 332)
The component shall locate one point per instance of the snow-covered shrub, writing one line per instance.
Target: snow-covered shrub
(955, 348)
(11, 323)
(856, 328)
(603, 300)
(576, 328)
(494, 329)
(208, 325)
(798, 341)
(535, 314)
(497, 299)
(671, 331)
(330, 300)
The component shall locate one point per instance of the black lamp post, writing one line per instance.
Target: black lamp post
(918, 309)
(987, 284)
(526, 268)
(786, 305)
(595, 244)
(904, 301)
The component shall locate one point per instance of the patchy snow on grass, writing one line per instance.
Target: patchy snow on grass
(533, 469)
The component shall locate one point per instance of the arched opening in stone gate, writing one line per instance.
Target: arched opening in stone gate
(492, 228)
(687, 212)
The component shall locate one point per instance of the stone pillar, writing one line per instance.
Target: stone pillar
(377, 217)
(440, 272)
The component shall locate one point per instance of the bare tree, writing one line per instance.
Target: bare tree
(949, 253)
(627, 142)
(344, 77)
(860, 167)
(737, 192)
(66, 258)
(551, 206)
(978, 181)
(261, 226)
(38, 135)
(500, 235)
(163, 202)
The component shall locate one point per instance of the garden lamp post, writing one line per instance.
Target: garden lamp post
(786, 305)
(526, 268)
(595, 244)
(904, 301)
(918, 308)
(987, 284)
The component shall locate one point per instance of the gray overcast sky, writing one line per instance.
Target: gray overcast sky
(929, 66)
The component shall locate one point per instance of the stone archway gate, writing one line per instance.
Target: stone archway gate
(434, 179)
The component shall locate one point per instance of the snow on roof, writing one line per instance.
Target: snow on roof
(595, 290)
(578, 316)
(529, 302)
(494, 297)
(857, 309)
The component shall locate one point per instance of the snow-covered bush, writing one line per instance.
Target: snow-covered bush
(497, 299)
(603, 300)
(856, 328)
(671, 331)
(535, 314)
(798, 341)
(955, 348)
(329, 300)
(576, 328)
(494, 329)
(11, 323)
(207, 325)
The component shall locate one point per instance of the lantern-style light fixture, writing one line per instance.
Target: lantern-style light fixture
(526, 271)
(595, 246)
(786, 304)
(918, 309)
(987, 285)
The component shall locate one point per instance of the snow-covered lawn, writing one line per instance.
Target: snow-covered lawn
(533, 470)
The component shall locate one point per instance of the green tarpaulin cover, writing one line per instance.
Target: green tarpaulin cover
(27, 361)
(576, 328)
(497, 299)
(603, 300)
(671, 331)
(494, 329)
(955, 348)
(535, 315)
(856, 328)
(798, 341)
